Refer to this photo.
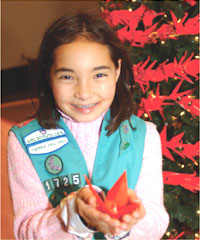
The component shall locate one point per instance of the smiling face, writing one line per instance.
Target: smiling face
(83, 79)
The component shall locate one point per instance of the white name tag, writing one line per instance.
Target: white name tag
(45, 140)
(48, 146)
(43, 134)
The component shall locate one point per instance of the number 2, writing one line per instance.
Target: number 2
(65, 180)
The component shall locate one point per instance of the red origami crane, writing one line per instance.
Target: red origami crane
(186, 26)
(172, 144)
(153, 103)
(130, 21)
(182, 68)
(187, 181)
(185, 100)
(191, 150)
(188, 150)
(145, 72)
(116, 203)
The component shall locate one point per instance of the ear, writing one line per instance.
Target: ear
(118, 70)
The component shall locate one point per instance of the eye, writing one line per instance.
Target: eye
(100, 75)
(66, 77)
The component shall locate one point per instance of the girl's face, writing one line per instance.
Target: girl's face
(83, 79)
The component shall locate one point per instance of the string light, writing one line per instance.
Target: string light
(174, 118)
(146, 115)
(196, 235)
(182, 165)
(196, 38)
(179, 20)
(130, 9)
(182, 113)
(162, 42)
(198, 211)
(133, 0)
(191, 97)
(197, 57)
(168, 234)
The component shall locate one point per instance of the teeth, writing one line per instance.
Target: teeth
(84, 106)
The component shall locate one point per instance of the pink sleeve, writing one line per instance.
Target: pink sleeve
(34, 216)
(150, 190)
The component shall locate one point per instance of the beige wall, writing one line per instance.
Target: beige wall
(24, 22)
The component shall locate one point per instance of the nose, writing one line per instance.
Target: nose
(83, 91)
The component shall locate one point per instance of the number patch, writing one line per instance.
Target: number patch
(65, 181)
(75, 179)
(48, 185)
(56, 182)
(62, 181)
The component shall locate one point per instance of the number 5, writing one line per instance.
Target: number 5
(76, 179)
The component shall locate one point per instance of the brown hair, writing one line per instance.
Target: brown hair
(66, 30)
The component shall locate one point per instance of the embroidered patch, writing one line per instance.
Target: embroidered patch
(43, 134)
(125, 128)
(48, 146)
(45, 141)
(53, 165)
(76, 179)
(48, 186)
(125, 145)
(64, 181)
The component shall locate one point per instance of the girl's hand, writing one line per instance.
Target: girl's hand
(102, 222)
(86, 207)
(128, 220)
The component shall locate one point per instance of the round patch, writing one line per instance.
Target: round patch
(53, 164)
(125, 128)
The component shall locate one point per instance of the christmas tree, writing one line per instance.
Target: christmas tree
(162, 38)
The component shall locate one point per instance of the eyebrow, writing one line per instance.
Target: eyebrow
(71, 70)
(101, 68)
(64, 70)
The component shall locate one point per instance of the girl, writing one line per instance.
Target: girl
(85, 124)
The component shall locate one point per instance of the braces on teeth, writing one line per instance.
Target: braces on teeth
(85, 106)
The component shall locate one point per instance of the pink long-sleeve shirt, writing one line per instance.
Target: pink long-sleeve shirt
(36, 219)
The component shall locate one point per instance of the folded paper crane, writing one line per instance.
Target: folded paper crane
(116, 203)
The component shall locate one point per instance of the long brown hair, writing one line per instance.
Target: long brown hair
(66, 30)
